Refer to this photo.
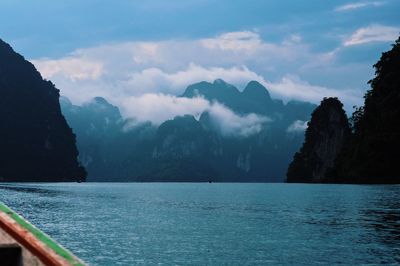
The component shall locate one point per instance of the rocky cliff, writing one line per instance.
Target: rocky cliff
(373, 151)
(36, 142)
(326, 133)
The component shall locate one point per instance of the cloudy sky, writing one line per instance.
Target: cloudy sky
(142, 53)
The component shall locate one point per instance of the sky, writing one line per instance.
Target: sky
(140, 55)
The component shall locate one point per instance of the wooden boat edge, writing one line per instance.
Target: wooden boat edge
(38, 243)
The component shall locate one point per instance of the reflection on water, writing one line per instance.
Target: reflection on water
(30, 189)
(383, 216)
(216, 224)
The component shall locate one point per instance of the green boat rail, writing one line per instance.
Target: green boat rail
(34, 241)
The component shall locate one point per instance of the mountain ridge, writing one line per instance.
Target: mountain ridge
(149, 152)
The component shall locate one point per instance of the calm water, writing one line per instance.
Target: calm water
(216, 224)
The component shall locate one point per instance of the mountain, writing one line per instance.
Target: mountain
(186, 148)
(372, 153)
(327, 131)
(108, 150)
(219, 91)
(368, 152)
(182, 151)
(36, 142)
(254, 99)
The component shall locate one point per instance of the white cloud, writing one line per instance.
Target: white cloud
(118, 71)
(231, 124)
(235, 41)
(71, 67)
(297, 126)
(373, 33)
(149, 80)
(292, 87)
(156, 81)
(158, 108)
(153, 79)
(228, 49)
(358, 5)
(293, 39)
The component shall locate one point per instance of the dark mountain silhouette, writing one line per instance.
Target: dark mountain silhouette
(36, 142)
(369, 153)
(187, 149)
(255, 98)
(219, 91)
(372, 154)
(326, 133)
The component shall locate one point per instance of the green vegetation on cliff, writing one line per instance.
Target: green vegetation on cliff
(373, 151)
(325, 135)
(370, 153)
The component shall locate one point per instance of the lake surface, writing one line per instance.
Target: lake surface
(215, 224)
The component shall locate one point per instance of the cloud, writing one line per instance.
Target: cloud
(235, 41)
(373, 33)
(297, 126)
(150, 80)
(153, 79)
(72, 68)
(231, 124)
(118, 71)
(228, 49)
(358, 5)
(159, 82)
(292, 87)
(158, 108)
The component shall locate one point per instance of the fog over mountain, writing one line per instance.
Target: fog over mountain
(213, 131)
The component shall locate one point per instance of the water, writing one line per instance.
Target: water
(216, 224)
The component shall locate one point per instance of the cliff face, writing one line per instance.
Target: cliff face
(373, 152)
(36, 143)
(326, 133)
